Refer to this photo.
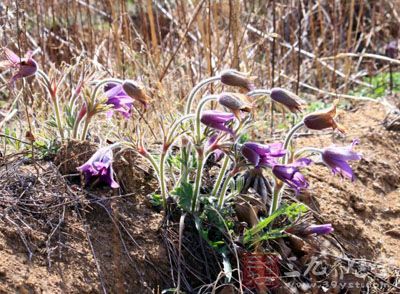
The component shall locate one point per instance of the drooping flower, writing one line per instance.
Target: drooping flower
(318, 229)
(336, 158)
(261, 154)
(235, 103)
(136, 91)
(218, 120)
(99, 167)
(288, 99)
(392, 49)
(232, 77)
(323, 119)
(25, 66)
(119, 99)
(291, 175)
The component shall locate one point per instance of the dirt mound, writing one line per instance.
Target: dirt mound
(56, 238)
(365, 213)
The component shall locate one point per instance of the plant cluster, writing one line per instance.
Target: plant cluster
(217, 137)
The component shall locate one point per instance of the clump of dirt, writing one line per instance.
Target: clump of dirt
(73, 154)
(132, 173)
(57, 238)
(365, 213)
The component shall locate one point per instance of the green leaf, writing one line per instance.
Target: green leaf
(292, 211)
(184, 193)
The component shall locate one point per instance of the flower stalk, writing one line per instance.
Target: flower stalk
(54, 100)
(196, 89)
(221, 176)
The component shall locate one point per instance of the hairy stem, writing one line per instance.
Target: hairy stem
(221, 176)
(199, 174)
(196, 89)
(221, 197)
(54, 100)
(198, 114)
(288, 140)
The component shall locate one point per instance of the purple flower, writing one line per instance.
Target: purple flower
(99, 167)
(336, 158)
(212, 145)
(217, 120)
(290, 174)
(119, 99)
(319, 229)
(25, 66)
(262, 155)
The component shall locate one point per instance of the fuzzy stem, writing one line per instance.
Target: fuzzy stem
(221, 176)
(163, 184)
(196, 89)
(276, 198)
(259, 92)
(75, 127)
(306, 149)
(85, 127)
(223, 191)
(289, 138)
(199, 174)
(198, 114)
(175, 126)
(54, 99)
(102, 82)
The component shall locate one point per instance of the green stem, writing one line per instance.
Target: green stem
(58, 117)
(54, 99)
(288, 140)
(221, 176)
(102, 82)
(223, 191)
(163, 185)
(307, 149)
(196, 89)
(275, 198)
(85, 127)
(199, 174)
(174, 127)
(75, 127)
(202, 102)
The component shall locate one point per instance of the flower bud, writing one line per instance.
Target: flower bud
(231, 77)
(323, 119)
(319, 229)
(136, 91)
(234, 102)
(287, 99)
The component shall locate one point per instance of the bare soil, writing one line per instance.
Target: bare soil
(365, 213)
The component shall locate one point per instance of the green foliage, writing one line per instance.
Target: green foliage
(156, 200)
(380, 85)
(184, 194)
(46, 148)
(257, 234)
(315, 106)
(15, 143)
